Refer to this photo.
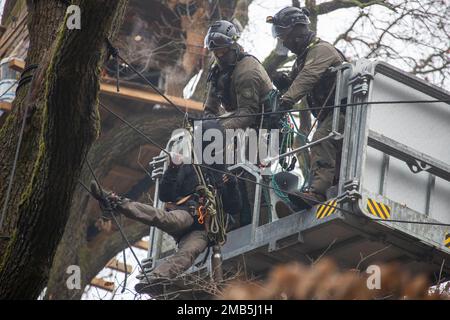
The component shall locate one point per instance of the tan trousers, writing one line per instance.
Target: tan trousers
(178, 224)
(325, 156)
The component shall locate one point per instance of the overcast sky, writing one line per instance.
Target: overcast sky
(257, 36)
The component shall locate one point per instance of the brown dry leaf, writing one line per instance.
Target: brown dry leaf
(324, 280)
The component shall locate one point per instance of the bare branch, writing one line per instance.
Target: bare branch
(327, 7)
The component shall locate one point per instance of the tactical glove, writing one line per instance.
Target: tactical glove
(281, 81)
(108, 200)
(285, 105)
(275, 118)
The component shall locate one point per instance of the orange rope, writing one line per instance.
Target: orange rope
(201, 213)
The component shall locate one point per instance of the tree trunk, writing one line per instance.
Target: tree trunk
(64, 94)
(312, 7)
(42, 32)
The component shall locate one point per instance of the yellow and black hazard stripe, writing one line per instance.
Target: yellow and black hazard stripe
(378, 209)
(447, 240)
(326, 210)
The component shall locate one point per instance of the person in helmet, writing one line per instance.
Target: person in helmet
(238, 83)
(178, 189)
(310, 78)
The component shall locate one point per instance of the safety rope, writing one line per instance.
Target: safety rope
(134, 128)
(291, 129)
(355, 104)
(266, 196)
(9, 88)
(26, 79)
(213, 207)
(22, 82)
(306, 172)
(115, 53)
(316, 202)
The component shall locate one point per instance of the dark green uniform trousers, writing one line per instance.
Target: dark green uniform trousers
(325, 156)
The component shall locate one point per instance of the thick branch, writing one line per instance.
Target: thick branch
(327, 7)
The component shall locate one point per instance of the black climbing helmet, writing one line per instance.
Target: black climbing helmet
(285, 20)
(222, 34)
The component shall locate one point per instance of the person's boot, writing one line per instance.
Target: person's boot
(151, 284)
(283, 209)
(306, 200)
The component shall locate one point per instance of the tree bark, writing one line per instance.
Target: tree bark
(42, 32)
(64, 93)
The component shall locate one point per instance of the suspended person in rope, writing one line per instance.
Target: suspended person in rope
(310, 78)
(187, 216)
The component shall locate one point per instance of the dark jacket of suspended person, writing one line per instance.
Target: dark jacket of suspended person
(180, 218)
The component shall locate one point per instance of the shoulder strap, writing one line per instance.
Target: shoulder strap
(212, 72)
(313, 43)
(245, 54)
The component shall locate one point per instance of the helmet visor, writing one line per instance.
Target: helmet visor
(280, 31)
(216, 40)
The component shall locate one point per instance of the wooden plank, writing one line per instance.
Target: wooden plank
(5, 106)
(150, 97)
(131, 93)
(119, 266)
(16, 64)
(2, 30)
(11, 35)
(103, 284)
(141, 244)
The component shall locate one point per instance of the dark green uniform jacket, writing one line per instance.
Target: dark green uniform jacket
(242, 91)
(308, 71)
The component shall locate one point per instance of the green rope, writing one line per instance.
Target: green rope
(278, 191)
(284, 144)
(214, 205)
(287, 142)
(304, 140)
